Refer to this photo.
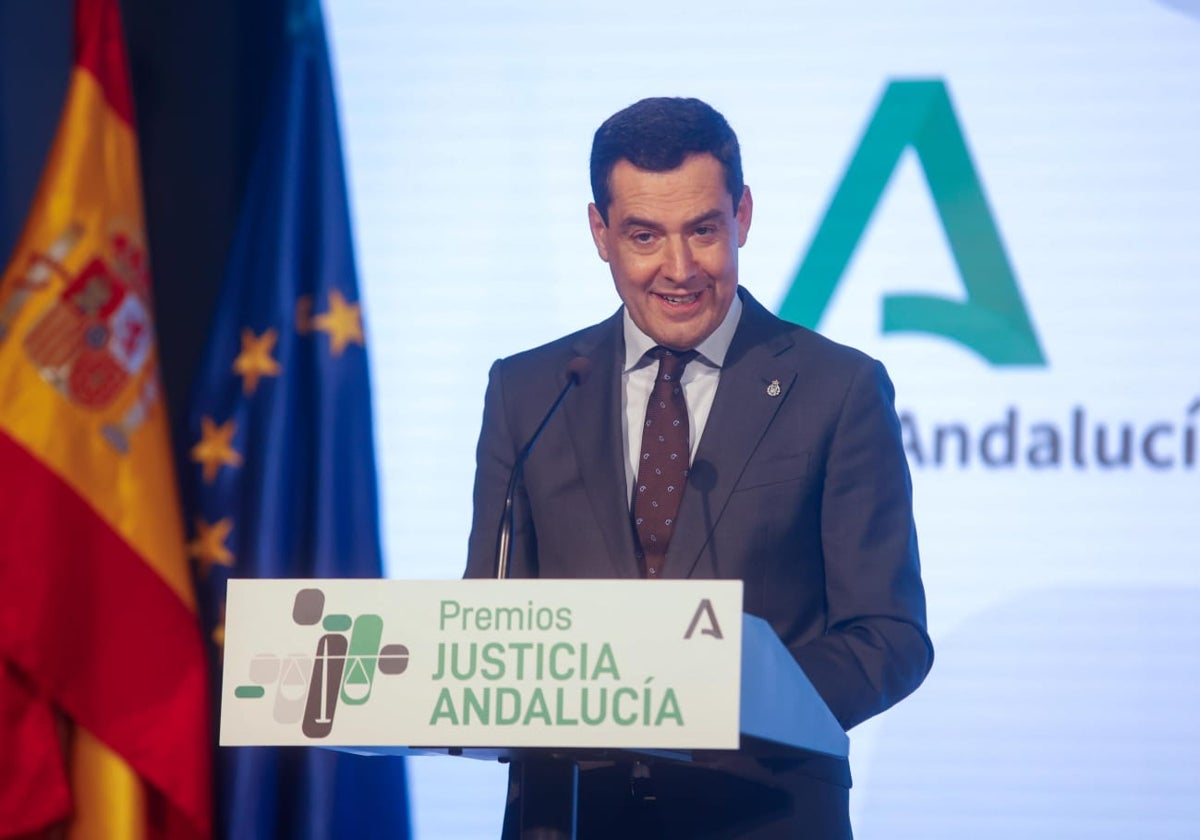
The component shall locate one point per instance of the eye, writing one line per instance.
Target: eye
(643, 237)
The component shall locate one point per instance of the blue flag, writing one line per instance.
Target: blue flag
(279, 469)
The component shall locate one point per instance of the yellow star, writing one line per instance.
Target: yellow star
(218, 631)
(208, 548)
(342, 323)
(255, 359)
(215, 447)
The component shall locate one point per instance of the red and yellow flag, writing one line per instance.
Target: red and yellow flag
(104, 721)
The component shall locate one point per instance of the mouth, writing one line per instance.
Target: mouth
(680, 300)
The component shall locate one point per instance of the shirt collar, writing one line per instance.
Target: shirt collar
(712, 350)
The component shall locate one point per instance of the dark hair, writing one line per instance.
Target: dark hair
(656, 135)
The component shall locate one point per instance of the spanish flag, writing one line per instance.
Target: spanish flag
(104, 726)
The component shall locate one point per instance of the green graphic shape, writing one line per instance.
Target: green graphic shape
(993, 320)
(361, 659)
(249, 692)
(337, 623)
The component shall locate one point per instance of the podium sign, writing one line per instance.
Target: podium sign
(626, 664)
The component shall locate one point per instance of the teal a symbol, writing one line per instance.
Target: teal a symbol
(992, 320)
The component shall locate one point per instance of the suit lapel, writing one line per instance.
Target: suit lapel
(594, 419)
(744, 406)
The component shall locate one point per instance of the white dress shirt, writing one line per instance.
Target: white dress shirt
(699, 383)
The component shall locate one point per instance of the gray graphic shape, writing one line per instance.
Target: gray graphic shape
(292, 689)
(308, 606)
(393, 659)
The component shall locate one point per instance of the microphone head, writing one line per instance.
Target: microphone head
(578, 369)
(702, 476)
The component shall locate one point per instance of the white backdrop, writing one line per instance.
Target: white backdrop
(1064, 599)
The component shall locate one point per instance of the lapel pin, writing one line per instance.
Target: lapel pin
(773, 390)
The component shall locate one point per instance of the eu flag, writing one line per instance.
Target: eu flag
(279, 468)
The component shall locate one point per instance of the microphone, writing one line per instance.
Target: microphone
(577, 371)
(702, 478)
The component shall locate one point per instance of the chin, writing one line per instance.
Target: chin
(681, 340)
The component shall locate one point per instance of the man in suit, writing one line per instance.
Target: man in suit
(796, 481)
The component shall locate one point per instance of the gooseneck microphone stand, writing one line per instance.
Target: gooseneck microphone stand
(550, 784)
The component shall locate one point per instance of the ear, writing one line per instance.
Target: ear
(745, 209)
(599, 231)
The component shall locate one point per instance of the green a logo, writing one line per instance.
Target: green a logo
(992, 320)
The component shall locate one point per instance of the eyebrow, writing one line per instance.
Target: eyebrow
(636, 221)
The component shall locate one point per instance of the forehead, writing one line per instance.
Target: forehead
(695, 187)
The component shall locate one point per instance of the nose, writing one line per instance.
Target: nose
(679, 265)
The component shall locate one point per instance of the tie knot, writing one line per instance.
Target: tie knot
(672, 362)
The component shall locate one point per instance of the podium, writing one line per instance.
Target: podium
(546, 672)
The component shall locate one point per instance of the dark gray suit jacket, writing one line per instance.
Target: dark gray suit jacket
(804, 496)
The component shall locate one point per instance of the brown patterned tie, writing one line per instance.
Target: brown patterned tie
(663, 461)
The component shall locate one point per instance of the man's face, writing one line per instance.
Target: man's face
(671, 243)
